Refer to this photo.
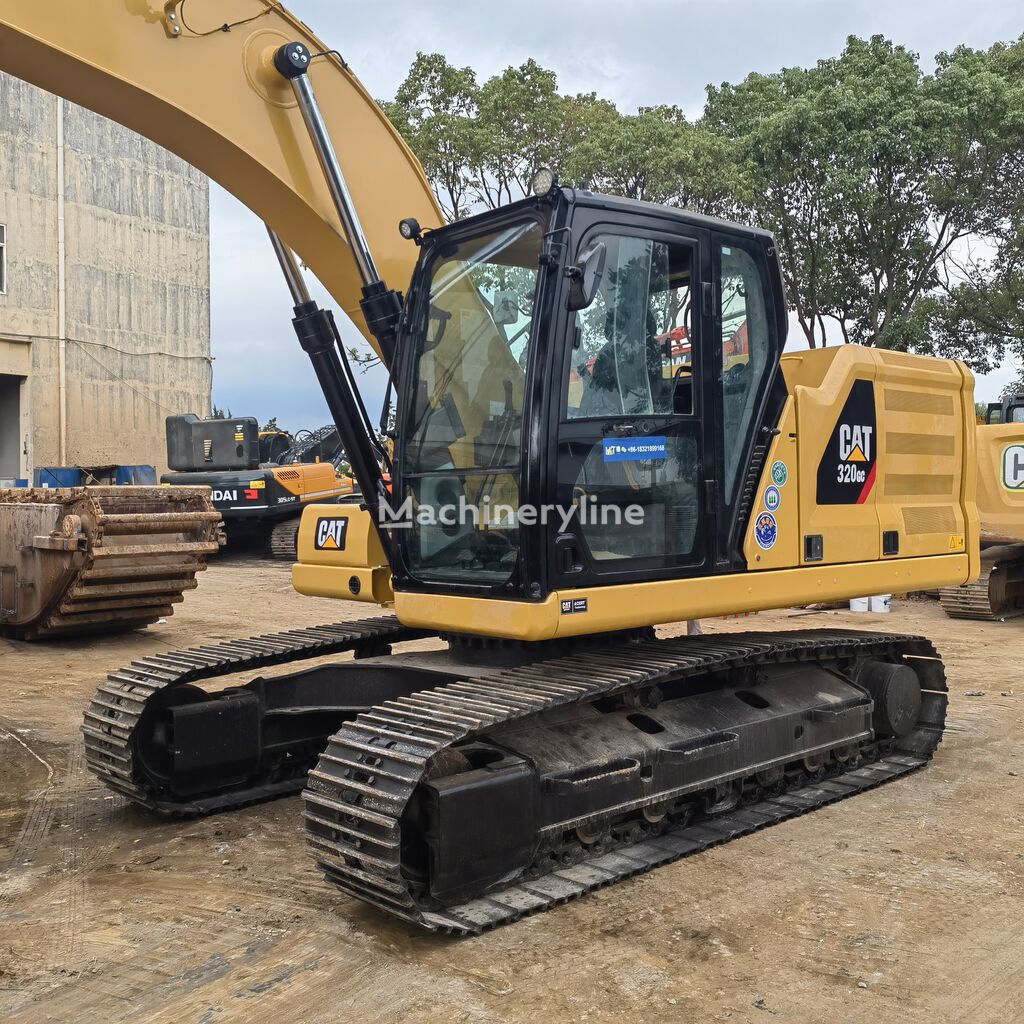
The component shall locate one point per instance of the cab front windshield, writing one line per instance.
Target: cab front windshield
(463, 425)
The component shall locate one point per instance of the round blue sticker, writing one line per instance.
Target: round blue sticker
(772, 498)
(765, 531)
(780, 474)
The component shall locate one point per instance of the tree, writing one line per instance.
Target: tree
(221, 414)
(894, 195)
(655, 155)
(520, 117)
(985, 291)
(870, 174)
(435, 110)
(481, 145)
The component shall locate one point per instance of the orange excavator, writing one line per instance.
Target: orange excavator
(258, 481)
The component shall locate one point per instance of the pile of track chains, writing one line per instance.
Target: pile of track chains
(365, 779)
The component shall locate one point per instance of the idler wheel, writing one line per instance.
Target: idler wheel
(896, 691)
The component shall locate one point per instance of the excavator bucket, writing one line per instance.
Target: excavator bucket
(81, 560)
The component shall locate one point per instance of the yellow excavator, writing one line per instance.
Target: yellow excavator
(562, 477)
(998, 593)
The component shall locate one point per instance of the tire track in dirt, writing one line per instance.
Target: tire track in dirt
(218, 961)
(989, 978)
(68, 939)
(37, 821)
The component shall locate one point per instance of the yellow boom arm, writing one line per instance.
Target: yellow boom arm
(213, 97)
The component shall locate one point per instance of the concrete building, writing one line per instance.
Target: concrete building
(104, 288)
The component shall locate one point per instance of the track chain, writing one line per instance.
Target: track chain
(970, 600)
(364, 781)
(283, 542)
(116, 710)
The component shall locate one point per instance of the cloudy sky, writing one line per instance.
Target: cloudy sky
(635, 53)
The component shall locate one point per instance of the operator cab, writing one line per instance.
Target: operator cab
(1009, 410)
(584, 384)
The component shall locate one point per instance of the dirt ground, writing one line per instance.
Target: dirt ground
(903, 904)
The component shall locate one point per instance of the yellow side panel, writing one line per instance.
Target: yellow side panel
(778, 493)
(921, 487)
(850, 532)
(312, 480)
(635, 605)
(1001, 481)
(925, 431)
(340, 556)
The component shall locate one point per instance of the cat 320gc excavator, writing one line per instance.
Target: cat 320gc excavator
(546, 743)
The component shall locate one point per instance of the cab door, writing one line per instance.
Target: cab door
(630, 452)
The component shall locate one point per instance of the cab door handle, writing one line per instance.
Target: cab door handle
(708, 298)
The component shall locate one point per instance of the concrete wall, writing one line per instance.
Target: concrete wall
(136, 270)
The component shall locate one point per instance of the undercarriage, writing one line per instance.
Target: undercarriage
(463, 787)
(998, 592)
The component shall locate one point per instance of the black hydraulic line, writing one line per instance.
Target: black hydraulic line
(382, 456)
(316, 332)
(318, 335)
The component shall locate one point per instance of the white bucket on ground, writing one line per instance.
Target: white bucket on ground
(860, 604)
(880, 602)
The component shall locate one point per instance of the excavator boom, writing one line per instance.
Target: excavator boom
(207, 90)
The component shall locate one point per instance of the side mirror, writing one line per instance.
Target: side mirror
(506, 308)
(585, 275)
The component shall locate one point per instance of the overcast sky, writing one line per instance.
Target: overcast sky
(634, 53)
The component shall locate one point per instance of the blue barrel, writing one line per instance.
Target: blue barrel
(135, 476)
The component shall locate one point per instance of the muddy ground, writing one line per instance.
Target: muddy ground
(904, 904)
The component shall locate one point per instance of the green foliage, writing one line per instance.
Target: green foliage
(986, 294)
(894, 195)
(480, 144)
(221, 414)
(871, 174)
(435, 109)
(519, 119)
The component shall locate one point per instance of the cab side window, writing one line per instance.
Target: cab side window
(745, 354)
(633, 352)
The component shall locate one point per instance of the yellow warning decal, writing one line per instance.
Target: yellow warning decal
(956, 542)
(257, 485)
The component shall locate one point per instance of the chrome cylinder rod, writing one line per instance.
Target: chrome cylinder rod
(292, 62)
(290, 268)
